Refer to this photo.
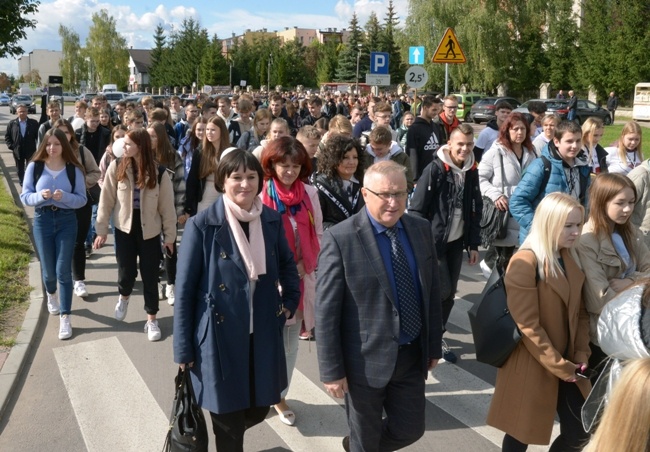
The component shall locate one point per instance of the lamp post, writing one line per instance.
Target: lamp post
(268, 75)
(358, 57)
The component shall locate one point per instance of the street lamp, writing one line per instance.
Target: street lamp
(268, 75)
(359, 45)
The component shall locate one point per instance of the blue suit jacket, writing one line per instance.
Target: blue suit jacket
(212, 315)
(356, 315)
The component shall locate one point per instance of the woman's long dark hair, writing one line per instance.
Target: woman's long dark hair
(145, 171)
(66, 152)
(164, 152)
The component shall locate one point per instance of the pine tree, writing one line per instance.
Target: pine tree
(347, 64)
(373, 34)
(388, 44)
(157, 69)
(215, 70)
(562, 44)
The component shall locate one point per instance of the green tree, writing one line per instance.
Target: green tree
(387, 42)
(291, 64)
(13, 24)
(355, 48)
(215, 70)
(327, 62)
(107, 50)
(157, 69)
(186, 52)
(373, 34)
(562, 49)
(73, 64)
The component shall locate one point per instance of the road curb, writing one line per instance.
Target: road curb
(15, 361)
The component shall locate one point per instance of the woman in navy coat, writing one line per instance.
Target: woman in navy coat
(237, 284)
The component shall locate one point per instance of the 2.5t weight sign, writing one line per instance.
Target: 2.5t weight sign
(416, 77)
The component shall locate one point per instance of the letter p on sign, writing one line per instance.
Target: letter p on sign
(379, 63)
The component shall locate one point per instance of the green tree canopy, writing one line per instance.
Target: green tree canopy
(13, 24)
(107, 50)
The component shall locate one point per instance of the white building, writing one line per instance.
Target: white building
(46, 62)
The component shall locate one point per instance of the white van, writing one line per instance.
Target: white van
(109, 88)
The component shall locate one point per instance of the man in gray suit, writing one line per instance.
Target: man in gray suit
(378, 314)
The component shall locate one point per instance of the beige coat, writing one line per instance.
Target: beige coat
(157, 212)
(640, 176)
(555, 336)
(601, 262)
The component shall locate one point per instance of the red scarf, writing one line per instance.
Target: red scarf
(449, 127)
(295, 202)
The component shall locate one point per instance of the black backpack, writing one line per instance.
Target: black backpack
(39, 166)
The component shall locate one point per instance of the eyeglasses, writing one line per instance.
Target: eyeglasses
(382, 116)
(398, 196)
(451, 107)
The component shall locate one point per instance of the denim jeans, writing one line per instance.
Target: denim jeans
(449, 265)
(91, 230)
(54, 233)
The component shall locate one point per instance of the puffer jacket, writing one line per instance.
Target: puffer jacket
(529, 193)
(624, 326)
(494, 186)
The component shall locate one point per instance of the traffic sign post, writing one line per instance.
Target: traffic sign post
(448, 51)
(416, 77)
(416, 55)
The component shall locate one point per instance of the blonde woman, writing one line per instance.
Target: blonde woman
(624, 425)
(592, 132)
(549, 123)
(279, 128)
(539, 379)
(251, 139)
(626, 153)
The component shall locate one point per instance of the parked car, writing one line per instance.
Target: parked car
(22, 99)
(114, 97)
(86, 97)
(484, 109)
(586, 109)
(465, 102)
(5, 100)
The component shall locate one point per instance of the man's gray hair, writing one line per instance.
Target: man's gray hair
(384, 168)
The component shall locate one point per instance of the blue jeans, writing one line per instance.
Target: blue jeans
(91, 231)
(55, 232)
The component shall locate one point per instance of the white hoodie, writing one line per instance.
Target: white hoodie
(457, 222)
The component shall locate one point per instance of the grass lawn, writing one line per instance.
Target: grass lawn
(613, 132)
(15, 251)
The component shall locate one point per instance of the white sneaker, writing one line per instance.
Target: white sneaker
(65, 328)
(487, 271)
(153, 330)
(161, 291)
(169, 293)
(121, 307)
(53, 303)
(80, 289)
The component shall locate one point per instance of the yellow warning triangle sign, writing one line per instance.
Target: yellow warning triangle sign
(449, 50)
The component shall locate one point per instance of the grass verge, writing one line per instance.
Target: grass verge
(15, 252)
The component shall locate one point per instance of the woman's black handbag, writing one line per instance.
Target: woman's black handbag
(495, 332)
(93, 194)
(187, 428)
(494, 222)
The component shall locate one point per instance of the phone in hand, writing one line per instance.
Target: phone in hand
(586, 373)
(169, 253)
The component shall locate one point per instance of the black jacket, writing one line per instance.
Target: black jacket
(335, 204)
(104, 140)
(194, 186)
(423, 140)
(22, 147)
(433, 201)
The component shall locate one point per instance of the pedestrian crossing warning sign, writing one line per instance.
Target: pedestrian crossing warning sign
(449, 50)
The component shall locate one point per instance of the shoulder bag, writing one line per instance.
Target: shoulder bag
(494, 222)
(187, 429)
(494, 330)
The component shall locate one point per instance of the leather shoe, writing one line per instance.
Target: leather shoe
(346, 444)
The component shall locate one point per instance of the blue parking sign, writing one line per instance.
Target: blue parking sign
(379, 63)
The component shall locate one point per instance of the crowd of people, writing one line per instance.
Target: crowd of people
(346, 220)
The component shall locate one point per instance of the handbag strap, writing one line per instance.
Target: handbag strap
(503, 177)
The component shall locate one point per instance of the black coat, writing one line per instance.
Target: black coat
(22, 147)
(433, 200)
(194, 186)
(104, 140)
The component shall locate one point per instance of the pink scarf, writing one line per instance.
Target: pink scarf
(295, 202)
(253, 249)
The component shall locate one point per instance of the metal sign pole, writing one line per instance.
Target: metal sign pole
(446, 79)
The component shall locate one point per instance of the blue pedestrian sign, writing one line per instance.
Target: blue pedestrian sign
(416, 55)
(379, 63)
